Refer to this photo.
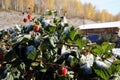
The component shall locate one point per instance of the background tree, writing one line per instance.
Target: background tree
(30, 6)
(7, 4)
(49, 4)
(79, 8)
(2, 3)
(73, 8)
(97, 16)
(91, 11)
(103, 15)
(61, 6)
(117, 17)
(21, 4)
(85, 9)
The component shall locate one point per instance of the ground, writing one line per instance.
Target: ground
(11, 18)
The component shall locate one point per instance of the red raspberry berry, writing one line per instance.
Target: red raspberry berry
(1, 56)
(62, 71)
(29, 16)
(25, 20)
(36, 28)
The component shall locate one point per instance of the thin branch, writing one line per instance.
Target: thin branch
(73, 45)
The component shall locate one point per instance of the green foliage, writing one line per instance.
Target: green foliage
(107, 73)
(103, 50)
(115, 67)
(113, 38)
(80, 42)
(102, 73)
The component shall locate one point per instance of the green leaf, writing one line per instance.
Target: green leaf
(111, 46)
(34, 63)
(80, 43)
(31, 56)
(73, 62)
(73, 53)
(46, 56)
(107, 55)
(43, 70)
(56, 21)
(10, 55)
(97, 50)
(115, 67)
(64, 36)
(37, 22)
(102, 73)
(33, 78)
(116, 62)
(15, 72)
(51, 29)
(10, 77)
(106, 37)
(22, 66)
(53, 40)
(114, 38)
(69, 42)
(31, 53)
(49, 12)
(104, 46)
(72, 33)
(62, 58)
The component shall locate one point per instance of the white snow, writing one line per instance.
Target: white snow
(116, 52)
(101, 64)
(89, 59)
(100, 25)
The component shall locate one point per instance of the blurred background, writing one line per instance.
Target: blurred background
(77, 11)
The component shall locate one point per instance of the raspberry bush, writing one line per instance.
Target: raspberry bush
(52, 48)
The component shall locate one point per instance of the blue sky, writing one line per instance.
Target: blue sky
(112, 6)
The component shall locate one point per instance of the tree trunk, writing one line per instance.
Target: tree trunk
(3, 5)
